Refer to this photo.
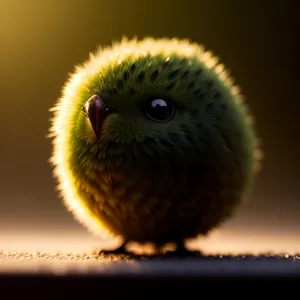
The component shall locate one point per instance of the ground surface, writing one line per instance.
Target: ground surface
(65, 274)
(62, 264)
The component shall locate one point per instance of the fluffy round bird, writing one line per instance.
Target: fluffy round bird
(152, 142)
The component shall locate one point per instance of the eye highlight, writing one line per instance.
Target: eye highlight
(159, 110)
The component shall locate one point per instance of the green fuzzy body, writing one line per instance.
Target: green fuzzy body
(149, 181)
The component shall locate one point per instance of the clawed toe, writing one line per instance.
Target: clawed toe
(113, 252)
(118, 251)
(185, 253)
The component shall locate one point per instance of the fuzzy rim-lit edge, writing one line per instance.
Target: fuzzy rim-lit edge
(102, 57)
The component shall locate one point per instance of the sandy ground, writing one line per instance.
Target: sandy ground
(37, 275)
(47, 262)
(62, 264)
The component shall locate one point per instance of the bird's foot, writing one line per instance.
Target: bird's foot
(118, 251)
(181, 251)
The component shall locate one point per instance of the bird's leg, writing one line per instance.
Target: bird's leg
(181, 250)
(120, 250)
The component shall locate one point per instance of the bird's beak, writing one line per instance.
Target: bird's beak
(96, 110)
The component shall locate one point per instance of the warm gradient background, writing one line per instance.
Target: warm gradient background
(40, 41)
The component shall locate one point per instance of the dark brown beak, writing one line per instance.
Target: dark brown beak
(96, 110)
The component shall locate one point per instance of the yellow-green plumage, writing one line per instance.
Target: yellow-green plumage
(149, 181)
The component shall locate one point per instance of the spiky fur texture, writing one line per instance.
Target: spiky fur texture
(147, 181)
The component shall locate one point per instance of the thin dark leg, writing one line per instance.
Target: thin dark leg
(119, 250)
(182, 251)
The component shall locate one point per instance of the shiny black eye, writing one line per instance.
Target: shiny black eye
(159, 110)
